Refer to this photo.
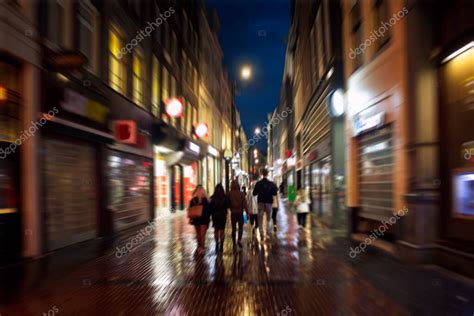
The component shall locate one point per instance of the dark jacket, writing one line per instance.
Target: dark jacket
(265, 190)
(206, 212)
(219, 206)
(237, 200)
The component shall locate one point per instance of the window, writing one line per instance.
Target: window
(381, 16)
(165, 91)
(138, 77)
(117, 66)
(174, 47)
(166, 41)
(87, 23)
(173, 94)
(314, 57)
(189, 118)
(327, 30)
(320, 43)
(356, 24)
(56, 26)
(196, 81)
(155, 87)
(157, 31)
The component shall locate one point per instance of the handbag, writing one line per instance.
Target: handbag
(195, 211)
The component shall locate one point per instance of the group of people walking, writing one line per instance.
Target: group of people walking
(261, 199)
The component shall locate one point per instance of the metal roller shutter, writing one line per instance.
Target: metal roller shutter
(70, 199)
(129, 189)
(376, 174)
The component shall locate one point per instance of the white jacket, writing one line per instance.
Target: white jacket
(252, 203)
(302, 202)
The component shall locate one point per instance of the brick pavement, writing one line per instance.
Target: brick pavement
(297, 273)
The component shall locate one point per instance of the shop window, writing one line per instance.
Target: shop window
(138, 77)
(117, 66)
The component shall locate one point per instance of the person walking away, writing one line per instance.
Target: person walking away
(265, 190)
(253, 210)
(237, 205)
(276, 201)
(201, 223)
(282, 189)
(219, 207)
(302, 207)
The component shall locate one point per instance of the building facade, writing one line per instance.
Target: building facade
(310, 155)
(405, 146)
(103, 101)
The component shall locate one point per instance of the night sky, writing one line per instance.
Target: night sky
(254, 32)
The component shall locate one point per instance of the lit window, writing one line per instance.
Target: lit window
(155, 87)
(165, 90)
(138, 77)
(117, 72)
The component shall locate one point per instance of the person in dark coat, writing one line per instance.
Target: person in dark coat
(219, 207)
(237, 205)
(201, 223)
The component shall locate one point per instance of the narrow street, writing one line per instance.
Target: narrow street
(297, 273)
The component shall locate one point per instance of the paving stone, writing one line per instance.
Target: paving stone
(297, 273)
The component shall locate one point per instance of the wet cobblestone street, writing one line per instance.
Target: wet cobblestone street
(296, 273)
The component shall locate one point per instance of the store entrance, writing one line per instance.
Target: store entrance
(322, 187)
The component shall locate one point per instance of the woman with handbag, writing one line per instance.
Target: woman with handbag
(302, 207)
(199, 212)
(219, 207)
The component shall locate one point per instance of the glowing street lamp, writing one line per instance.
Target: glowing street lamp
(257, 130)
(246, 72)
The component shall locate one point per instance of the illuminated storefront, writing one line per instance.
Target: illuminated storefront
(162, 183)
(456, 74)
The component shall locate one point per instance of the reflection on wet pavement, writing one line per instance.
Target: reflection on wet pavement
(296, 273)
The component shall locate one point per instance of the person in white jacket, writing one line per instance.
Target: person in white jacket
(302, 207)
(253, 210)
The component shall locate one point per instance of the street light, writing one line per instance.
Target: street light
(257, 130)
(246, 72)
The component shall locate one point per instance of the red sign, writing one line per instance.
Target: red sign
(174, 107)
(288, 153)
(201, 130)
(126, 132)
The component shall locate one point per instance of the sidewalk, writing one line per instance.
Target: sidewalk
(296, 273)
